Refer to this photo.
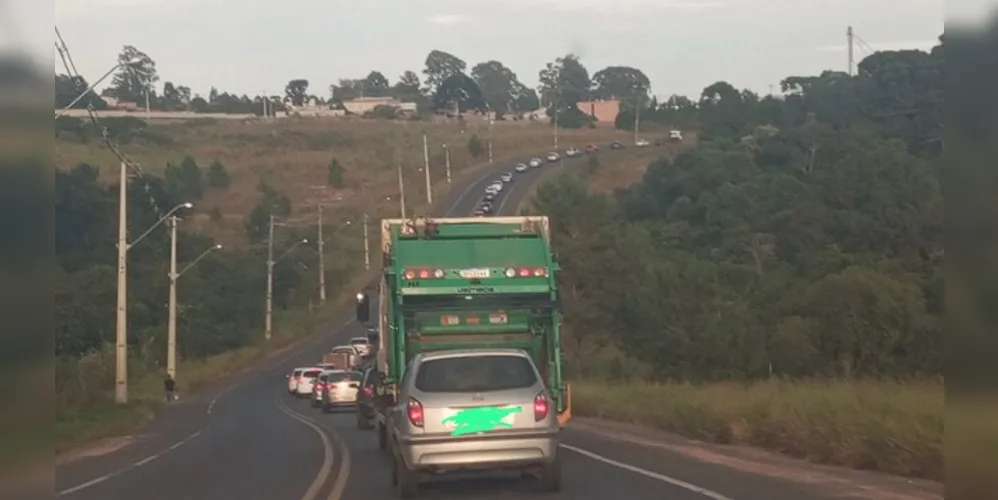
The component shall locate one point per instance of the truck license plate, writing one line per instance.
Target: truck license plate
(474, 273)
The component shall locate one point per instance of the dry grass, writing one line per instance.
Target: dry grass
(893, 427)
(292, 155)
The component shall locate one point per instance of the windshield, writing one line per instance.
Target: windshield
(476, 374)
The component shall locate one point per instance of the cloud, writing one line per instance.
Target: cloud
(448, 19)
(895, 45)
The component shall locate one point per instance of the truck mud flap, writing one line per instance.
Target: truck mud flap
(566, 414)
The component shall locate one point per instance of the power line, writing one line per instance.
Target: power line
(70, 66)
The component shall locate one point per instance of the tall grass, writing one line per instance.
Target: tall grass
(896, 427)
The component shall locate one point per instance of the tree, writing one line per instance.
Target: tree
(461, 92)
(475, 146)
(498, 84)
(136, 76)
(346, 90)
(439, 67)
(271, 203)
(218, 177)
(628, 84)
(297, 91)
(376, 85)
(67, 89)
(407, 88)
(334, 176)
(184, 182)
(564, 82)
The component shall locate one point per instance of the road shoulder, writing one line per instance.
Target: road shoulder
(738, 470)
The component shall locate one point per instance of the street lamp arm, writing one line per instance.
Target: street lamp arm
(289, 250)
(198, 259)
(92, 87)
(160, 221)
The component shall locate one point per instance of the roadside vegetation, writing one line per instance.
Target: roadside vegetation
(780, 285)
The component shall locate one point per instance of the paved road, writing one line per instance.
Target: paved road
(249, 439)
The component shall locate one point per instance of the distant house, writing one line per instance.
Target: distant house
(362, 105)
(604, 111)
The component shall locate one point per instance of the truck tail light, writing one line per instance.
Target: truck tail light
(414, 410)
(423, 274)
(526, 272)
(541, 406)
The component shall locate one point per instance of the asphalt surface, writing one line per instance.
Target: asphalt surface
(249, 439)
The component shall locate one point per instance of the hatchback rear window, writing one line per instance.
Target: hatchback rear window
(297, 373)
(344, 377)
(475, 374)
(358, 341)
(311, 373)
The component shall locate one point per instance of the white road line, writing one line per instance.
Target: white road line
(647, 473)
(327, 457)
(134, 465)
(504, 200)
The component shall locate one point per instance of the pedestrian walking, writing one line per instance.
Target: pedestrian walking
(170, 386)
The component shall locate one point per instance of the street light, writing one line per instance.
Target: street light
(121, 327)
(268, 327)
(171, 332)
(94, 85)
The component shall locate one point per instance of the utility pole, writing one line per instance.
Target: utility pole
(268, 324)
(556, 127)
(637, 118)
(148, 110)
(171, 331)
(426, 167)
(322, 262)
(401, 190)
(447, 162)
(121, 329)
(367, 246)
(849, 44)
(490, 135)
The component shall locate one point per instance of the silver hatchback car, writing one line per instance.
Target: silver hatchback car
(478, 409)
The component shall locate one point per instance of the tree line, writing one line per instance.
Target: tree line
(447, 84)
(802, 237)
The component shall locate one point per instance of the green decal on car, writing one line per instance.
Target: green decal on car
(473, 420)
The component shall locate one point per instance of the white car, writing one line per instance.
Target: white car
(535, 162)
(675, 136)
(497, 185)
(307, 381)
(642, 143)
(521, 168)
(573, 152)
(293, 380)
(506, 177)
(361, 345)
(553, 157)
(493, 190)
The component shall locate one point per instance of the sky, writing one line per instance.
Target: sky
(252, 46)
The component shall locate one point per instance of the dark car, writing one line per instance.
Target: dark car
(489, 197)
(617, 145)
(370, 380)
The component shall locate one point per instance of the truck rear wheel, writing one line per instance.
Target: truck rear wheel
(363, 422)
(382, 437)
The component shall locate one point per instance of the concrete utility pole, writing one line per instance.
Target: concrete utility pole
(121, 326)
(849, 44)
(491, 121)
(367, 245)
(447, 162)
(171, 343)
(171, 330)
(268, 322)
(401, 190)
(426, 167)
(322, 261)
(121, 323)
(637, 118)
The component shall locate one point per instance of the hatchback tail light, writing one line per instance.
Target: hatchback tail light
(541, 406)
(415, 412)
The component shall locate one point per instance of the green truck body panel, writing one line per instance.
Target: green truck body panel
(447, 284)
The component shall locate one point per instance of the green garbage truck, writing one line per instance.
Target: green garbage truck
(465, 283)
